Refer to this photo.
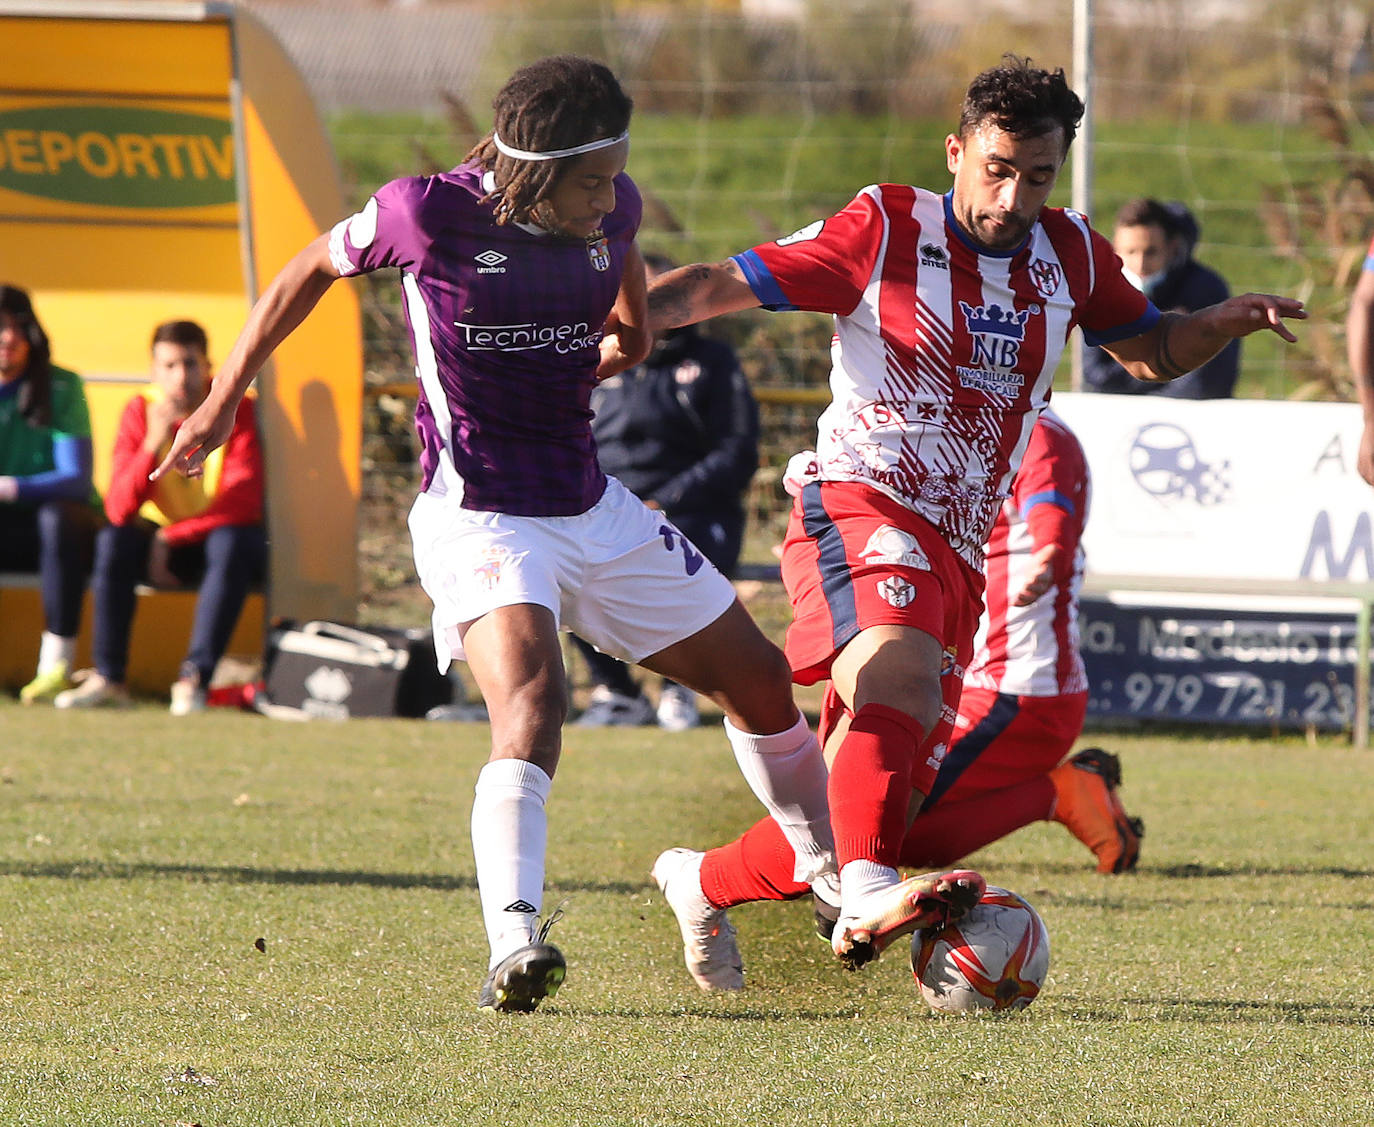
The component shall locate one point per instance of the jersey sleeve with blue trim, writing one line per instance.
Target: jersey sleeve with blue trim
(824, 267)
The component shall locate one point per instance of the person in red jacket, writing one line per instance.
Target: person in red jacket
(175, 532)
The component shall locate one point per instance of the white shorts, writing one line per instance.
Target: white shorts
(619, 575)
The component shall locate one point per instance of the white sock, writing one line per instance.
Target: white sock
(860, 879)
(826, 888)
(787, 773)
(52, 649)
(509, 831)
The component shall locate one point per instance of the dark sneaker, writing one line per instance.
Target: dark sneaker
(917, 903)
(1087, 804)
(825, 915)
(524, 978)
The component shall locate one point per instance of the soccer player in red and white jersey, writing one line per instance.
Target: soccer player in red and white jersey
(950, 316)
(1359, 341)
(1026, 693)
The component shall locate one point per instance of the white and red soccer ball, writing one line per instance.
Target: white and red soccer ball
(995, 958)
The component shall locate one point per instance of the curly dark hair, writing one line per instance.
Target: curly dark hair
(35, 392)
(556, 103)
(1022, 100)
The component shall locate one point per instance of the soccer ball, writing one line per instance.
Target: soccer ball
(995, 958)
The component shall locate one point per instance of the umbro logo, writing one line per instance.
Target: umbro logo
(489, 262)
(931, 255)
(523, 906)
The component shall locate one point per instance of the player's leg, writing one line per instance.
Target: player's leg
(889, 678)
(651, 597)
(655, 600)
(495, 582)
(886, 610)
(514, 656)
(732, 664)
(995, 778)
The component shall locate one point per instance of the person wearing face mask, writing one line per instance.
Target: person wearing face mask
(1155, 243)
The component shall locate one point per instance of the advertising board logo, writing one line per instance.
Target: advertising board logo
(117, 156)
(1166, 464)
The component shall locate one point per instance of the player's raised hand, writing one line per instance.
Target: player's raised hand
(1248, 313)
(207, 428)
(1039, 575)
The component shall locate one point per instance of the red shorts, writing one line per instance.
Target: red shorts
(1001, 739)
(854, 558)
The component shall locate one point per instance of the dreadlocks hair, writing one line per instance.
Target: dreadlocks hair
(559, 102)
(1021, 100)
(35, 389)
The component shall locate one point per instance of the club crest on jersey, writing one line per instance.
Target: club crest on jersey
(895, 548)
(1046, 276)
(599, 251)
(896, 591)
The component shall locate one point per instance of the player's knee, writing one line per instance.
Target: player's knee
(758, 698)
(917, 696)
(527, 720)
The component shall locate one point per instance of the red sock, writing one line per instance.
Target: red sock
(758, 865)
(870, 784)
(953, 830)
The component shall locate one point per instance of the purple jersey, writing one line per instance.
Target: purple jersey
(505, 321)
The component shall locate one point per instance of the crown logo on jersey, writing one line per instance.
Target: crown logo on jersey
(995, 320)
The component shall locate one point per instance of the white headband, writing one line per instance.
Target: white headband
(556, 154)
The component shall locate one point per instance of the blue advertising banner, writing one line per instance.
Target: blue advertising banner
(1243, 667)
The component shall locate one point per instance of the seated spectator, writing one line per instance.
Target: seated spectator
(49, 510)
(177, 531)
(1155, 242)
(681, 432)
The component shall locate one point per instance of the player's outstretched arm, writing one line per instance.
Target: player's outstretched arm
(1359, 342)
(693, 293)
(1181, 342)
(292, 294)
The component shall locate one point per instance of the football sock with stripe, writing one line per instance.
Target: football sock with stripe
(509, 834)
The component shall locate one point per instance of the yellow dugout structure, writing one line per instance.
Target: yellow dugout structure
(163, 160)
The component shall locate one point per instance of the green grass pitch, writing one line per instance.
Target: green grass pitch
(226, 920)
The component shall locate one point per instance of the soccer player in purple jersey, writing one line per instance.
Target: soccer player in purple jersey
(523, 284)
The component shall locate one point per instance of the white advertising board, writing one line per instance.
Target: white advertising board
(1232, 489)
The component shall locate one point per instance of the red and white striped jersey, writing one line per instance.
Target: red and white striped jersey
(943, 353)
(1033, 650)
